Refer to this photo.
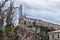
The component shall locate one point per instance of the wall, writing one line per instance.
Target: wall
(55, 36)
(47, 24)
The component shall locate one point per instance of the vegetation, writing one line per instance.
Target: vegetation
(34, 25)
(44, 29)
(30, 26)
(2, 18)
(43, 36)
(43, 32)
(8, 31)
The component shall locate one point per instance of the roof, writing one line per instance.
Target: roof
(57, 31)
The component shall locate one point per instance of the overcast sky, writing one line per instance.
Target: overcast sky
(47, 10)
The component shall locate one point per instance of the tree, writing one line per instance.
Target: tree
(43, 32)
(43, 36)
(34, 25)
(9, 29)
(44, 29)
(2, 18)
(15, 31)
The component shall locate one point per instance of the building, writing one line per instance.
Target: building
(54, 35)
(29, 21)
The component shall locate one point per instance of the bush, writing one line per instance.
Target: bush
(43, 36)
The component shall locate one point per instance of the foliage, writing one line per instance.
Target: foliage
(9, 32)
(30, 26)
(2, 5)
(15, 31)
(43, 36)
(44, 29)
(43, 32)
(34, 24)
(1, 35)
(2, 13)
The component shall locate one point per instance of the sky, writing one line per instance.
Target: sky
(46, 10)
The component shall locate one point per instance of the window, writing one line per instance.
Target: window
(24, 22)
(52, 36)
(29, 22)
(57, 36)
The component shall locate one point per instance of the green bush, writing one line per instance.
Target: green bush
(43, 36)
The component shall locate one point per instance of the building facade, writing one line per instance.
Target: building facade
(54, 35)
(39, 22)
